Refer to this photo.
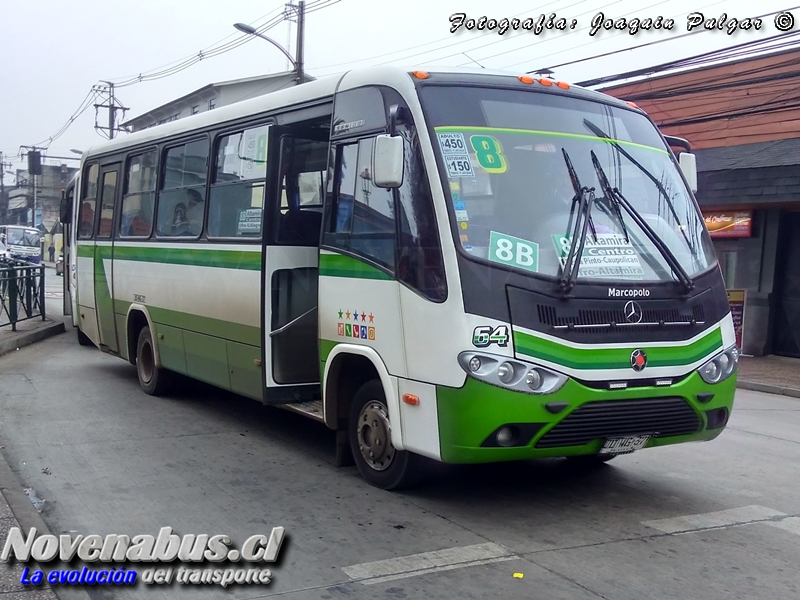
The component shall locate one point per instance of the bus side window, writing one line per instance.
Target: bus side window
(236, 199)
(363, 214)
(420, 263)
(88, 203)
(181, 201)
(302, 167)
(140, 194)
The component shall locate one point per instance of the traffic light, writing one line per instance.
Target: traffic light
(34, 162)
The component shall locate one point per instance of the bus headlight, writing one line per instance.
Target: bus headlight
(511, 374)
(722, 366)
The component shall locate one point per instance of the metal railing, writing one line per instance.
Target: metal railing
(21, 292)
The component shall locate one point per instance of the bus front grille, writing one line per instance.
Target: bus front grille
(618, 418)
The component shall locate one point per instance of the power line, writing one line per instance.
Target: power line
(448, 38)
(85, 104)
(650, 70)
(501, 40)
(119, 80)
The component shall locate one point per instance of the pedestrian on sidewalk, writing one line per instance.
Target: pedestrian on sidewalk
(52, 250)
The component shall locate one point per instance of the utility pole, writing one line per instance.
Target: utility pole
(298, 11)
(301, 25)
(3, 199)
(113, 105)
(34, 169)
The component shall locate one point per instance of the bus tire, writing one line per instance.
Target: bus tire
(154, 380)
(83, 339)
(370, 440)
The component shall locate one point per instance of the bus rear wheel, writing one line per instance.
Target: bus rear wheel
(370, 432)
(154, 380)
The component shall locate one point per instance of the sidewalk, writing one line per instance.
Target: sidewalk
(16, 510)
(770, 374)
(29, 331)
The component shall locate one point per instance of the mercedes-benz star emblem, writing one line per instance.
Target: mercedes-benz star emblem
(638, 360)
(633, 312)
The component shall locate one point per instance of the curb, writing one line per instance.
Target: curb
(26, 338)
(766, 388)
(27, 516)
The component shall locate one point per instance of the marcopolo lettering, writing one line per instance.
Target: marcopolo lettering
(628, 293)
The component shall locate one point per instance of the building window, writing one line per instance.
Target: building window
(195, 109)
(212, 104)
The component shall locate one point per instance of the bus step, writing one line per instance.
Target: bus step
(312, 408)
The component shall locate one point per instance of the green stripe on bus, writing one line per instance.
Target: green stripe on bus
(227, 330)
(615, 358)
(560, 134)
(235, 332)
(338, 265)
(198, 257)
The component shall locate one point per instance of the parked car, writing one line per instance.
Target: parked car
(4, 253)
(60, 264)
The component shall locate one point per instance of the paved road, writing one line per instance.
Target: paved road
(108, 459)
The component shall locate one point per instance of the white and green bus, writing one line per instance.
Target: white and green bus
(458, 266)
(23, 242)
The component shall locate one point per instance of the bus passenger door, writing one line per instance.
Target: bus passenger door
(103, 257)
(291, 264)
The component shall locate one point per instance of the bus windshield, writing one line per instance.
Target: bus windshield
(519, 163)
(17, 236)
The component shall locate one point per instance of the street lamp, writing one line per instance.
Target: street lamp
(298, 68)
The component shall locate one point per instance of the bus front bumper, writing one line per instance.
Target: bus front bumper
(481, 423)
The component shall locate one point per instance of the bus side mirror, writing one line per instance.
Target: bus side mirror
(66, 209)
(688, 164)
(387, 161)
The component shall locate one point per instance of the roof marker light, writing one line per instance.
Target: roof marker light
(563, 85)
(526, 79)
(420, 74)
(547, 82)
(633, 105)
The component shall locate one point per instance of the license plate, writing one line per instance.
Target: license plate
(625, 445)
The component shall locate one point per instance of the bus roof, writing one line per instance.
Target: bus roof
(317, 90)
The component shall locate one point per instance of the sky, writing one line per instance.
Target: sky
(53, 52)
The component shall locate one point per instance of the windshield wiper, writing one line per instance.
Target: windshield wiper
(616, 197)
(600, 133)
(584, 200)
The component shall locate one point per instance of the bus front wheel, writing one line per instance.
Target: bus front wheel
(370, 435)
(154, 380)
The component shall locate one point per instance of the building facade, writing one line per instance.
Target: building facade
(49, 186)
(210, 97)
(743, 122)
